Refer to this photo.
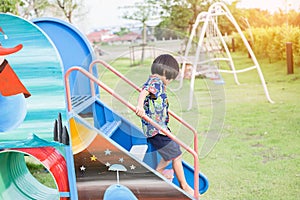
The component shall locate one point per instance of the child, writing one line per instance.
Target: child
(153, 102)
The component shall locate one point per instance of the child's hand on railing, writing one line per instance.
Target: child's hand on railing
(140, 111)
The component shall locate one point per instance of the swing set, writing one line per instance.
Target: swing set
(210, 50)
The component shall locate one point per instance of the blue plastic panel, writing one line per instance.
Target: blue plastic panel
(74, 49)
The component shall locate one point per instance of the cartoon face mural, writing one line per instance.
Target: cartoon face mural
(29, 66)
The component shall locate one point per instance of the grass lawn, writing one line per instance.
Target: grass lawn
(40, 173)
(258, 154)
(249, 147)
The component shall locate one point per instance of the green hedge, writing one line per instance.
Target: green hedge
(271, 42)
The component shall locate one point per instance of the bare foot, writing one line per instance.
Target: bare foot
(168, 174)
(188, 189)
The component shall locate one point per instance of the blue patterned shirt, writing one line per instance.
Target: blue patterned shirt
(155, 105)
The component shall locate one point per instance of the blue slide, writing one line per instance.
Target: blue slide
(73, 48)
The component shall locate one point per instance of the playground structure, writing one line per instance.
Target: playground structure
(100, 138)
(209, 52)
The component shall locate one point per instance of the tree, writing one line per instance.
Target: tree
(33, 8)
(123, 31)
(29, 9)
(178, 14)
(10, 6)
(142, 12)
(68, 7)
(182, 14)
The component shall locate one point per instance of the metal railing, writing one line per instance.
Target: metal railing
(93, 79)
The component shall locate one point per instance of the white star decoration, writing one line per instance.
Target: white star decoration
(82, 168)
(107, 152)
(132, 167)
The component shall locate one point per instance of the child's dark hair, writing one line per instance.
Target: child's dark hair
(165, 65)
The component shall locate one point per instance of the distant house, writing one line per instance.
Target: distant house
(131, 37)
(127, 38)
(108, 37)
(100, 36)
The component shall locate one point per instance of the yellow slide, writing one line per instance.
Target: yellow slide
(81, 136)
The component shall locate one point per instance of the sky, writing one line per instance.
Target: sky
(103, 13)
(271, 5)
(106, 13)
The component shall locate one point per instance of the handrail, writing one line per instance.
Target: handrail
(179, 119)
(133, 108)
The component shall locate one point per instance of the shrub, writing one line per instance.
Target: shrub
(271, 42)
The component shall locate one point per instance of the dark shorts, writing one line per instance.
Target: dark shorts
(166, 147)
